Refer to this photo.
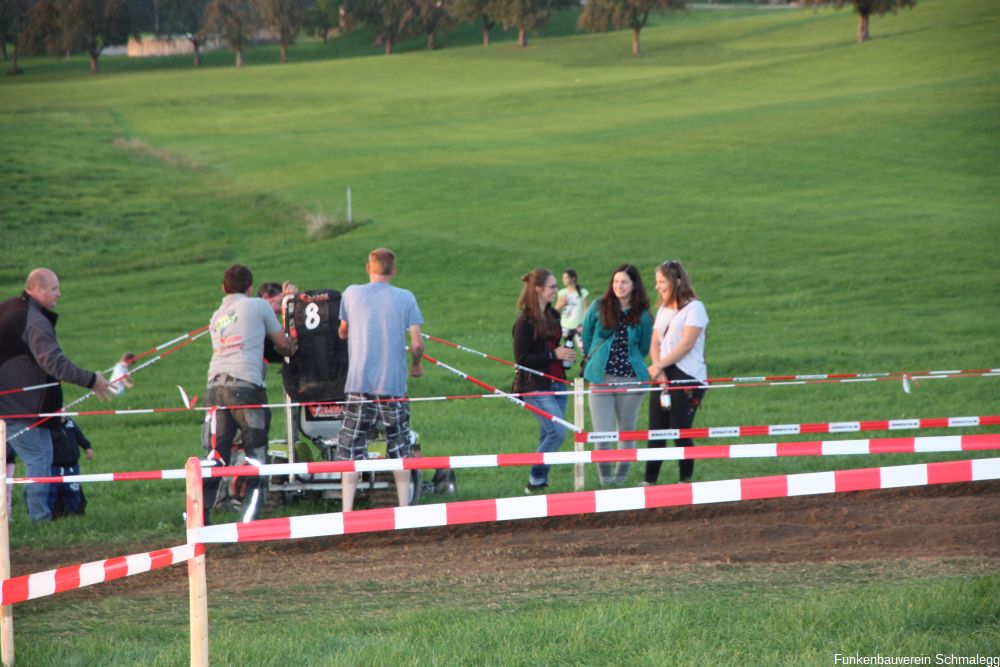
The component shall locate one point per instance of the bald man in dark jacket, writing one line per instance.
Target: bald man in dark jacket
(30, 355)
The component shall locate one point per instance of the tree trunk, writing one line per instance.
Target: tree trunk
(388, 46)
(487, 30)
(239, 57)
(430, 41)
(12, 70)
(197, 52)
(522, 36)
(284, 54)
(863, 35)
(325, 32)
(93, 61)
(486, 36)
(635, 41)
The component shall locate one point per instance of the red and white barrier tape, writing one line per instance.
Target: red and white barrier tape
(66, 412)
(191, 334)
(716, 432)
(492, 358)
(788, 429)
(191, 407)
(907, 380)
(31, 586)
(781, 380)
(513, 399)
(918, 445)
(759, 380)
(592, 502)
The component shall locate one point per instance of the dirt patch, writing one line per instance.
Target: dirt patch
(142, 148)
(947, 521)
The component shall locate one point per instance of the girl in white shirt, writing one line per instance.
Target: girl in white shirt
(571, 302)
(677, 351)
(121, 379)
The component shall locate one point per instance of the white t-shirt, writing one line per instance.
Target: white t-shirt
(572, 311)
(670, 323)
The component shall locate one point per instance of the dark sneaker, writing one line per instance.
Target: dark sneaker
(532, 489)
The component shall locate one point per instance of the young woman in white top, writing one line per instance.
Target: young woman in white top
(677, 351)
(571, 303)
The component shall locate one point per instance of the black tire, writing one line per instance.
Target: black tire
(444, 482)
(416, 486)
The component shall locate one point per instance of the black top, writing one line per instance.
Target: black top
(67, 443)
(537, 353)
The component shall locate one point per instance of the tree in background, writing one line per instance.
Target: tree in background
(527, 14)
(864, 9)
(431, 16)
(13, 25)
(322, 16)
(40, 30)
(92, 25)
(235, 22)
(284, 18)
(187, 17)
(603, 15)
(391, 19)
(475, 11)
(9, 28)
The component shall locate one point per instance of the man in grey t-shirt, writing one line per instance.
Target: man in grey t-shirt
(375, 319)
(236, 372)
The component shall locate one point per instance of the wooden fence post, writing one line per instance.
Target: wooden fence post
(7, 611)
(578, 421)
(197, 582)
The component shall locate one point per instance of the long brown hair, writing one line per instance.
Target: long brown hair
(527, 303)
(576, 281)
(681, 290)
(611, 310)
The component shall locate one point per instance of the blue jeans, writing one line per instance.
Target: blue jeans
(551, 434)
(35, 449)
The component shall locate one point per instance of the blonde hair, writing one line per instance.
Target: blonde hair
(382, 261)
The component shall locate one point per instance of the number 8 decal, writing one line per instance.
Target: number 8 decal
(312, 316)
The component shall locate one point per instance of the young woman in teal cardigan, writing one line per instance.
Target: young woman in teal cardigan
(616, 333)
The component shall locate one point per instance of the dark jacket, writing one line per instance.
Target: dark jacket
(30, 355)
(537, 353)
(67, 441)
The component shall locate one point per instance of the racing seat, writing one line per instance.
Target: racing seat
(316, 376)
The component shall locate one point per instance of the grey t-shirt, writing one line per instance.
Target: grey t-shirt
(378, 316)
(238, 330)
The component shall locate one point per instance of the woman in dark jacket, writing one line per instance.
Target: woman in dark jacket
(536, 346)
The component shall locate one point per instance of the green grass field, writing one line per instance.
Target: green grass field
(836, 205)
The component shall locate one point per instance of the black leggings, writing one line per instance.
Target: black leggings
(683, 406)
